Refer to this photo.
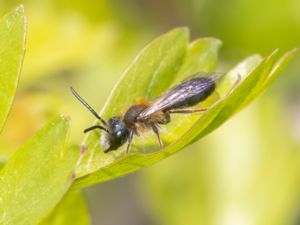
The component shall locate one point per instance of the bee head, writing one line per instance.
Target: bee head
(115, 132)
(116, 136)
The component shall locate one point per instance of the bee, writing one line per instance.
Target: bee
(149, 115)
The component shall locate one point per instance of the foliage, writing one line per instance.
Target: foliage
(12, 45)
(157, 67)
(72, 209)
(35, 179)
(37, 176)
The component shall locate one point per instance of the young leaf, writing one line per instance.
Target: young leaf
(71, 210)
(151, 72)
(184, 129)
(12, 48)
(37, 175)
(201, 55)
(255, 82)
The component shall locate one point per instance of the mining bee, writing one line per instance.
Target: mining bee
(150, 114)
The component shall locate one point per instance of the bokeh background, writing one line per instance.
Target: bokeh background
(245, 173)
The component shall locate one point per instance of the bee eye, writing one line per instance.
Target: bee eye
(119, 133)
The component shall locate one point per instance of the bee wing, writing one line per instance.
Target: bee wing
(178, 96)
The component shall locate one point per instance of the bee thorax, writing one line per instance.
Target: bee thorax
(130, 117)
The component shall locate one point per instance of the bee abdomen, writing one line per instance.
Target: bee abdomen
(195, 91)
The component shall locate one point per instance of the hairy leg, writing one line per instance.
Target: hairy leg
(187, 110)
(129, 141)
(155, 130)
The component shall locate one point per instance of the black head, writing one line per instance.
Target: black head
(117, 135)
(115, 132)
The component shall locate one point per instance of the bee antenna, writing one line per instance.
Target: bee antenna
(96, 127)
(87, 106)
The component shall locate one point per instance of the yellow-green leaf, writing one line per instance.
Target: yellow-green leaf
(36, 177)
(71, 210)
(12, 48)
(235, 90)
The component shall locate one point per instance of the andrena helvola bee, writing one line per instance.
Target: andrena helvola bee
(149, 114)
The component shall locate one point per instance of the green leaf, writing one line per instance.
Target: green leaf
(71, 210)
(257, 75)
(133, 162)
(184, 129)
(37, 176)
(12, 48)
(276, 69)
(2, 163)
(201, 53)
(151, 72)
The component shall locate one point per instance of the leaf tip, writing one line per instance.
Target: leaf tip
(288, 55)
(293, 51)
(214, 42)
(181, 31)
(64, 118)
(217, 41)
(20, 9)
(63, 122)
(274, 52)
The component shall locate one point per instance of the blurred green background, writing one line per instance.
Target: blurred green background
(245, 173)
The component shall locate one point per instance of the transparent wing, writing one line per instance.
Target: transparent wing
(191, 91)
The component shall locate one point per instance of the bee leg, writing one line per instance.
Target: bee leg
(155, 130)
(187, 110)
(129, 141)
